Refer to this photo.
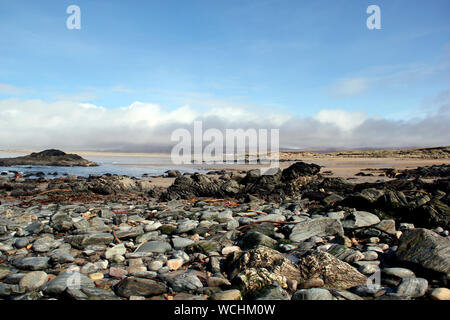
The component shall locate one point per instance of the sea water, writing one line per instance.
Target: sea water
(132, 166)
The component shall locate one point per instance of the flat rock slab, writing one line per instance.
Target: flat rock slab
(32, 263)
(155, 247)
(426, 249)
(83, 240)
(316, 227)
(359, 219)
(68, 280)
(133, 286)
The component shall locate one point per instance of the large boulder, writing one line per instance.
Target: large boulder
(336, 274)
(425, 249)
(199, 185)
(253, 270)
(299, 169)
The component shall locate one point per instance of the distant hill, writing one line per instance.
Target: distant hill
(414, 153)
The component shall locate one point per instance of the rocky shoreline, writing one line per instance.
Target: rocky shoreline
(293, 235)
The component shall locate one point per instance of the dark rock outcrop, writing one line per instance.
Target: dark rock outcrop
(49, 157)
(425, 249)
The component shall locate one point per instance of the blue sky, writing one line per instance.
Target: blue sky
(294, 57)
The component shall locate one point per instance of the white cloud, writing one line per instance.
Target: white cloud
(344, 120)
(147, 127)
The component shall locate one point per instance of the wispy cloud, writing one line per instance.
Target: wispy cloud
(350, 87)
(10, 89)
(393, 76)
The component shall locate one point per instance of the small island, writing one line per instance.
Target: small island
(49, 157)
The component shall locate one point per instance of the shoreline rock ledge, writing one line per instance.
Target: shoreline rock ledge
(51, 157)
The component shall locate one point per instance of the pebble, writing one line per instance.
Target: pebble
(182, 255)
(174, 264)
(155, 265)
(117, 272)
(440, 294)
(153, 226)
(96, 276)
(370, 255)
(89, 268)
(61, 256)
(186, 226)
(21, 243)
(228, 250)
(4, 273)
(232, 294)
(217, 282)
(312, 294)
(32, 263)
(368, 269)
(135, 266)
(186, 282)
(117, 250)
(181, 243)
(312, 283)
(398, 272)
(292, 284)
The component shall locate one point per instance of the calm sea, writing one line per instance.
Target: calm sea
(133, 166)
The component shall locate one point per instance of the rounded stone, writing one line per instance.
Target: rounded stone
(155, 265)
(21, 243)
(412, 287)
(117, 272)
(368, 269)
(370, 255)
(34, 280)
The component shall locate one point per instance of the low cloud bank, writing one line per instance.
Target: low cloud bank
(146, 127)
